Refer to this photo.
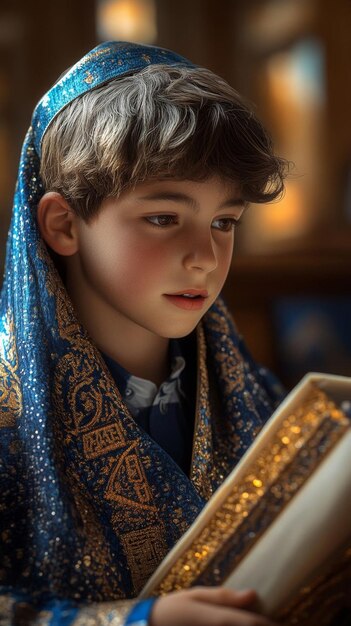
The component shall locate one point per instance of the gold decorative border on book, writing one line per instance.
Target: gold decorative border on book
(291, 435)
(272, 503)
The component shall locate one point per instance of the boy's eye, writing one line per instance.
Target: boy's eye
(161, 220)
(226, 224)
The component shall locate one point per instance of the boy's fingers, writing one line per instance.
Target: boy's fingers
(224, 597)
(205, 607)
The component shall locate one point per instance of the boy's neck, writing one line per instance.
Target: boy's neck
(145, 360)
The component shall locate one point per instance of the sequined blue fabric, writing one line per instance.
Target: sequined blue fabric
(89, 503)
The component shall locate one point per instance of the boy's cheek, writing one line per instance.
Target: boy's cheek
(124, 266)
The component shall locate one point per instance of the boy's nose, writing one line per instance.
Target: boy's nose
(201, 254)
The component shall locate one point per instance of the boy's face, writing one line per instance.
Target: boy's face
(156, 242)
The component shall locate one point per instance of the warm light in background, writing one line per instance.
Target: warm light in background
(127, 20)
(292, 82)
(266, 224)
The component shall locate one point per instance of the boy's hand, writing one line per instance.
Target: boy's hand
(207, 606)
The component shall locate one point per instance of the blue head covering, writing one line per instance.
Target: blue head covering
(90, 503)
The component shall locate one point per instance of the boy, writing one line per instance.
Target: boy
(126, 396)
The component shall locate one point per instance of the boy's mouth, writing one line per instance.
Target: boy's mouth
(190, 293)
(189, 299)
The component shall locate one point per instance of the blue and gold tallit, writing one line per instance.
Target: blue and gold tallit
(89, 503)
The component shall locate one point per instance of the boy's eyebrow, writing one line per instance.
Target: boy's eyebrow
(176, 196)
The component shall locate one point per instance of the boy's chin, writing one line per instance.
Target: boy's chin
(179, 333)
(180, 328)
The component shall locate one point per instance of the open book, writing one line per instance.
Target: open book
(281, 522)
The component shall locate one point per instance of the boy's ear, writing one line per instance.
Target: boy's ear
(57, 223)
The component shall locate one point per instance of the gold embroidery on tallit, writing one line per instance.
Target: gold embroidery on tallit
(291, 435)
(231, 360)
(98, 442)
(95, 55)
(89, 402)
(129, 474)
(202, 461)
(89, 78)
(91, 411)
(95, 559)
(10, 388)
(145, 549)
(233, 375)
